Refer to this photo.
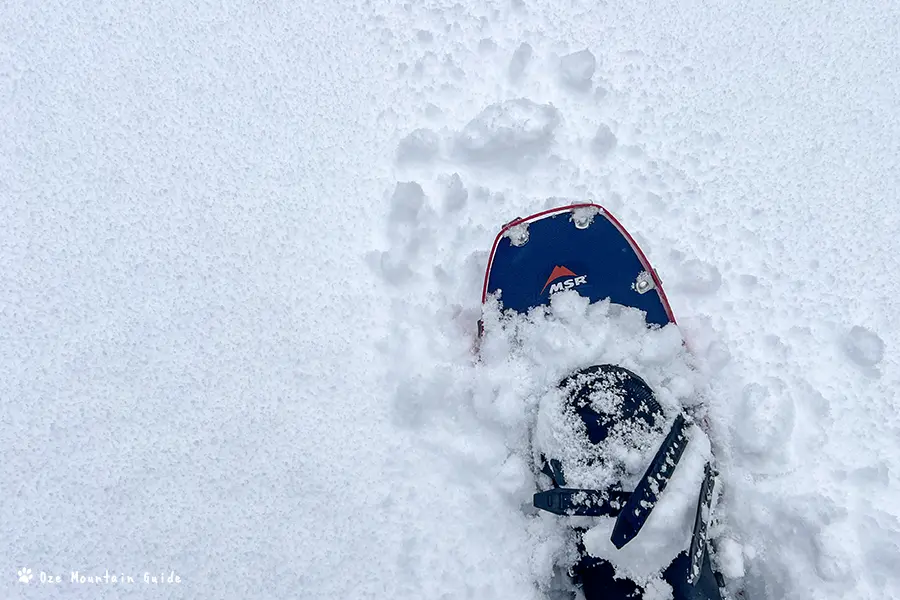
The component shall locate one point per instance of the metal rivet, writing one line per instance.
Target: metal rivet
(518, 235)
(644, 283)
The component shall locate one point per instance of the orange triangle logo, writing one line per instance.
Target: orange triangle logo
(556, 274)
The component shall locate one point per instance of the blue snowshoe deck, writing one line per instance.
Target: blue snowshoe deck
(579, 247)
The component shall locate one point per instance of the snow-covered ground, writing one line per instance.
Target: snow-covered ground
(241, 252)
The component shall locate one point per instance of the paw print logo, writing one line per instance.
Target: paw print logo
(25, 575)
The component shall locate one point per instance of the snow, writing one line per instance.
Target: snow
(520, 60)
(604, 140)
(508, 133)
(863, 346)
(577, 69)
(241, 260)
(420, 145)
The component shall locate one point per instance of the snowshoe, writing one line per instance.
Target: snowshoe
(582, 248)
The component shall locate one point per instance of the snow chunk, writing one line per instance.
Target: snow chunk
(764, 424)
(407, 202)
(604, 141)
(456, 195)
(863, 346)
(657, 589)
(515, 477)
(508, 133)
(419, 146)
(730, 558)
(486, 46)
(662, 348)
(577, 69)
(834, 557)
(520, 59)
(699, 277)
(393, 266)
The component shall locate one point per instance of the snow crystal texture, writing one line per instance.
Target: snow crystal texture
(241, 251)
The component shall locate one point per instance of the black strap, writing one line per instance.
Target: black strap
(641, 502)
(701, 523)
(580, 503)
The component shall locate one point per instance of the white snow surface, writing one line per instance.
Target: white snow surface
(241, 256)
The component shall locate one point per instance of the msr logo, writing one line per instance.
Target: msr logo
(566, 284)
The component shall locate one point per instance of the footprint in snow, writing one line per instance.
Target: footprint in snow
(864, 348)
